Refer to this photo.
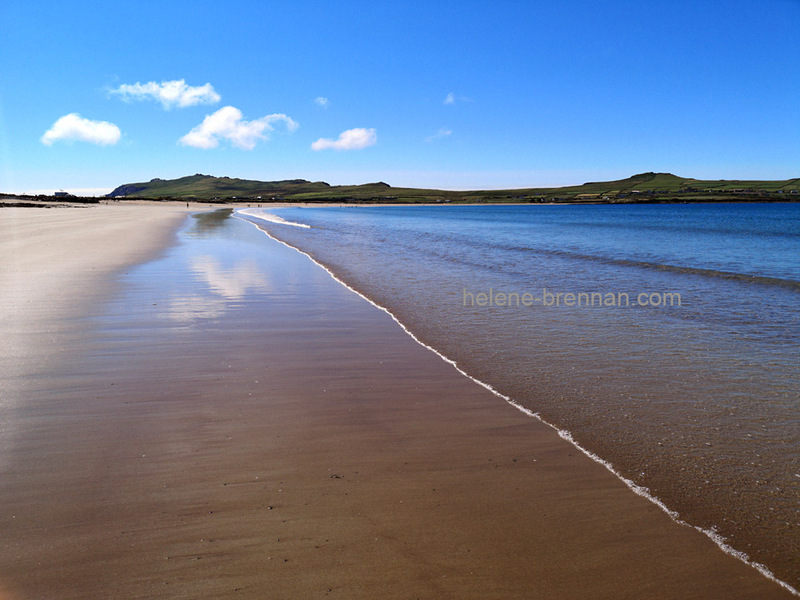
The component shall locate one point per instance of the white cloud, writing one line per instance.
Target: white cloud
(322, 101)
(227, 124)
(451, 99)
(169, 93)
(74, 128)
(352, 139)
(442, 133)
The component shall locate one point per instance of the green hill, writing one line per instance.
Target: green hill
(644, 187)
(207, 186)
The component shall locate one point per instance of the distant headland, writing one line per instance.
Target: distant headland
(642, 188)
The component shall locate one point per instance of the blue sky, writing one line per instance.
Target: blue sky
(452, 95)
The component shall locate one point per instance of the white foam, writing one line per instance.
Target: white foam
(637, 489)
(269, 217)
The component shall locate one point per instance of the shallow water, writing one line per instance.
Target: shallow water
(697, 398)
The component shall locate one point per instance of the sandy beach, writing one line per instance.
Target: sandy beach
(276, 436)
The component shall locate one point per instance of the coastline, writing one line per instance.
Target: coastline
(346, 459)
(622, 383)
(564, 434)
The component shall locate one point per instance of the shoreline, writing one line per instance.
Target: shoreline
(564, 434)
(589, 372)
(338, 437)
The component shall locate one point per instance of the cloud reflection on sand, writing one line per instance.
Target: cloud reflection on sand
(232, 283)
(226, 285)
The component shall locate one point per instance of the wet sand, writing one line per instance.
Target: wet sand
(283, 440)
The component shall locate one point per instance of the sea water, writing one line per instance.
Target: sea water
(664, 338)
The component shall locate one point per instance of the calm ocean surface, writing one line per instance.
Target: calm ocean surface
(573, 312)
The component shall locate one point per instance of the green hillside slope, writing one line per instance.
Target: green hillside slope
(651, 187)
